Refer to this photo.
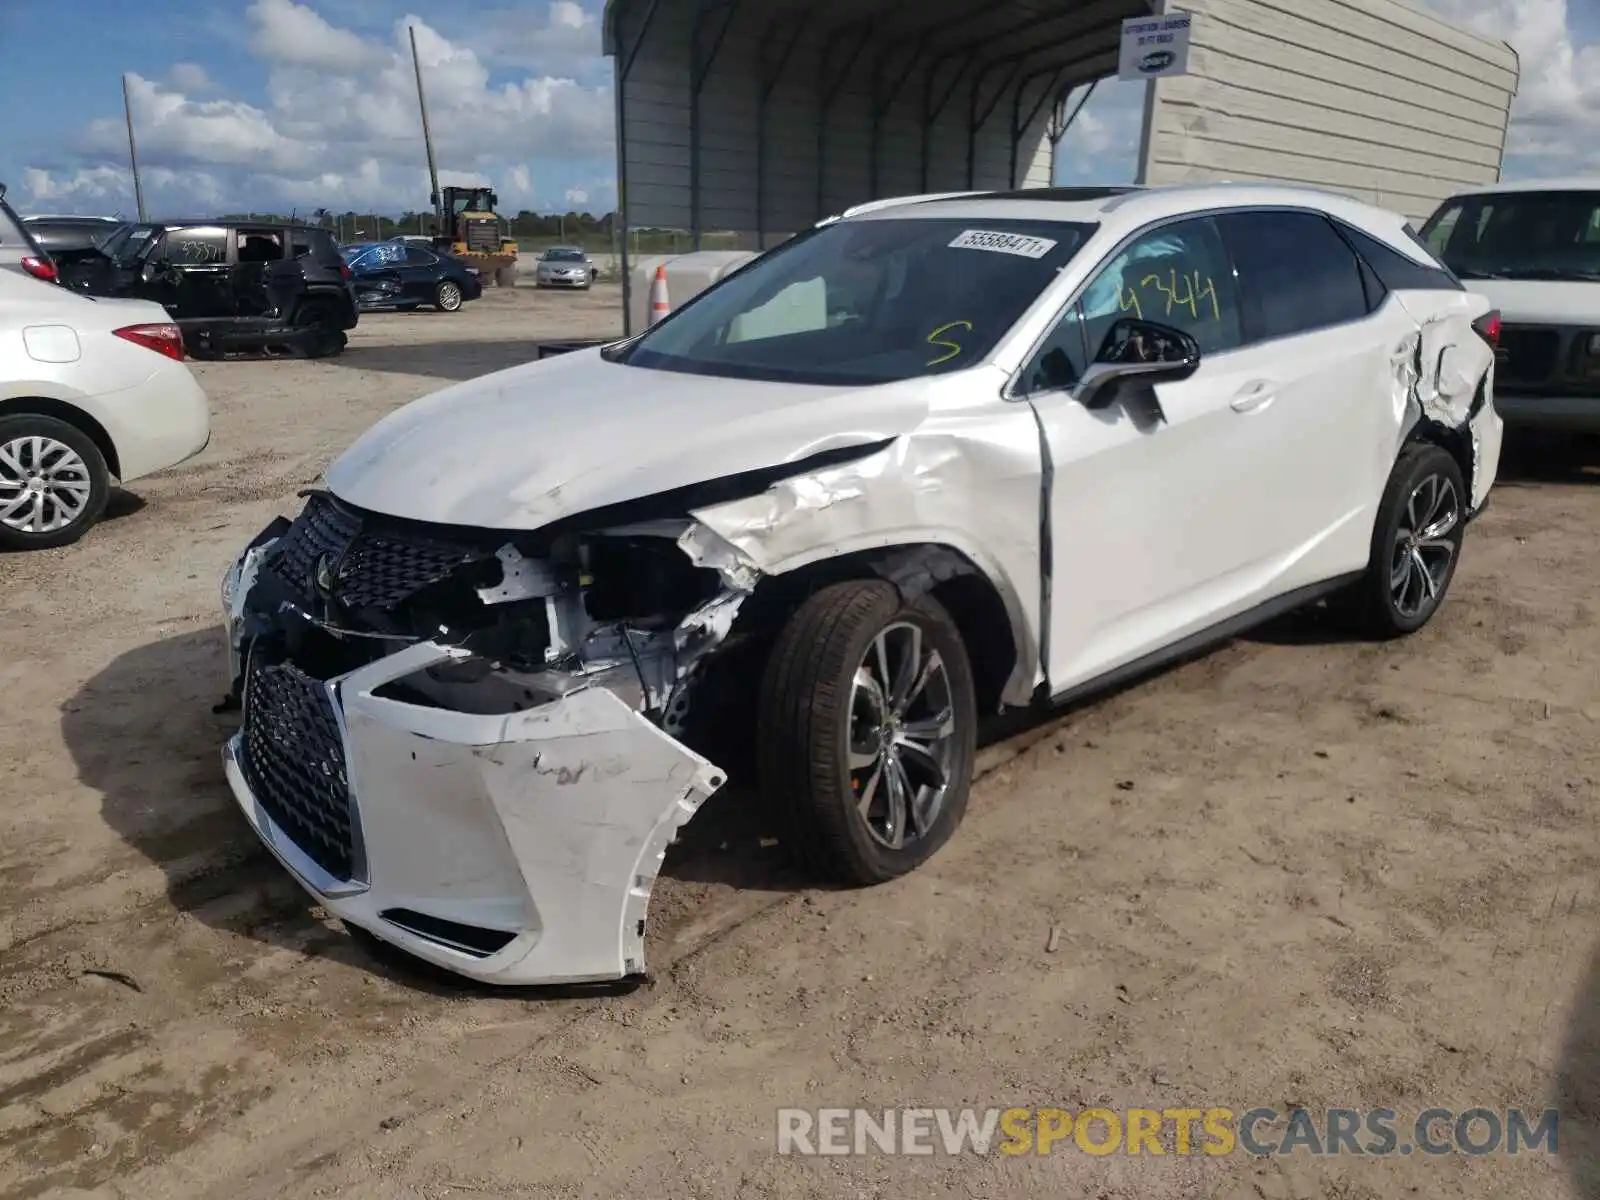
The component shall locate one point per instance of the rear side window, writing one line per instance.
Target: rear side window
(1296, 274)
(1394, 270)
(317, 245)
(259, 245)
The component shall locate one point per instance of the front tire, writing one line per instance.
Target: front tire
(54, 483)
(866, 732)
(448, 296)
(1416, 544)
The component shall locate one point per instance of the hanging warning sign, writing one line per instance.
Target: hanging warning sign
(1154, 47)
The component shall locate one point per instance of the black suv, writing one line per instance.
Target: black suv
(230, 285)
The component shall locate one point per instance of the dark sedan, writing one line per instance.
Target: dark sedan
(395, 275)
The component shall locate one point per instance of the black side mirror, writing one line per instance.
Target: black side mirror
(1137, 354)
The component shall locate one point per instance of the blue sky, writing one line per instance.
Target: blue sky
(280, 104)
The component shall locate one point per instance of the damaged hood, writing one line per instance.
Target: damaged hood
(1541, 301)
(530, 445)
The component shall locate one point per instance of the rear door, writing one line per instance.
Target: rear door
(420, 274)
(1327, 396)
(256, 248)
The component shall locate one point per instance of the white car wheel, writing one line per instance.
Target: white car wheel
(53, 482)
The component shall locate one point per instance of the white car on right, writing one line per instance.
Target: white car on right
(1534, 250)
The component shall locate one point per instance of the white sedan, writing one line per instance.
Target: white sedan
(920, 463)
(90, 390)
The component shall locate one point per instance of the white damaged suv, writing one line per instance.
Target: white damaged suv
(917, 464)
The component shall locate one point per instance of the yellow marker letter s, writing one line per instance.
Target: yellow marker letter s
(951, 348)
(1016, 1125)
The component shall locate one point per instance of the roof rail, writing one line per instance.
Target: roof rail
(895, 202)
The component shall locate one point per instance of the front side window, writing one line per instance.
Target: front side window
(418, 257)
(866, 301)
(1519, 235)
(1296, 274)
(1177, 275)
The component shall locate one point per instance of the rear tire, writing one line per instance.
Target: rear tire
(1416, 544)
(866, 732)
(60, 464)
(327, 338)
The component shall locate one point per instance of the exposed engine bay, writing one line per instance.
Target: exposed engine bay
(624, 608)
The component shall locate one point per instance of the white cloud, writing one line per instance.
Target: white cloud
(1555, 121)
(1102, 143)
(338, 125)
(577, 196)
(293, 34)
(563, 37)
(189, 77)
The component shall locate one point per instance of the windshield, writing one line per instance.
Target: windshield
(563, 256)
(1519, 235)
(124, 243)
(866, 301)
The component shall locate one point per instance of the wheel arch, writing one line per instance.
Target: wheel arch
(987, 611)
(71, 414)
(1457, 442)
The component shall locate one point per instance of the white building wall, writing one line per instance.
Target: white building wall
(1368, 97)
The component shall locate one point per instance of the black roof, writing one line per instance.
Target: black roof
(233, 223)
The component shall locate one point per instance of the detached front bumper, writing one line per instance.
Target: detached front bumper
(514, 849)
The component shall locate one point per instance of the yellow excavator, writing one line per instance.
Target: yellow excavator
(464, 221)
(467, 226)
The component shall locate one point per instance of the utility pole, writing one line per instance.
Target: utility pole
(133, 149)
(427, 135)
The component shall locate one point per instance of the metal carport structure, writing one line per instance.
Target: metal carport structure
(760, 117)
(757, 118)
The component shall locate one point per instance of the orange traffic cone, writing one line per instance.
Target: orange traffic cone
(659, 304)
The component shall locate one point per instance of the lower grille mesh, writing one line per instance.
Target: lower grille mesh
(294, 761)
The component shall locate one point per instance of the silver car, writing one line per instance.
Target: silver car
(565, 266)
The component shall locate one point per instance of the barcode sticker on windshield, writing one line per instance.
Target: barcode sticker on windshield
(1003, 243)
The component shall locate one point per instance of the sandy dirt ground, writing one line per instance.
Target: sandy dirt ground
(1296, 872)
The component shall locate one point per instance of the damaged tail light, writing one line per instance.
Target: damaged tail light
(41, 267)
(1488, 328)
(163, 338)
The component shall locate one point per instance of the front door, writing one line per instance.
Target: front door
(1153, 519)
(194, 280)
